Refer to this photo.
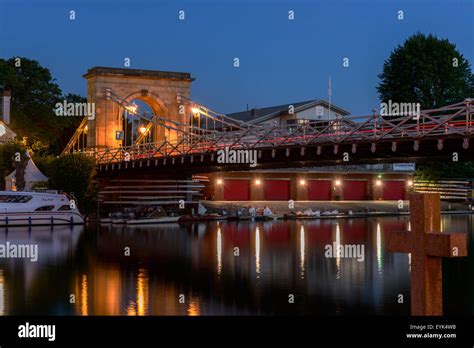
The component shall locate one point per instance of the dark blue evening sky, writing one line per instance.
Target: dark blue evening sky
(281, 61)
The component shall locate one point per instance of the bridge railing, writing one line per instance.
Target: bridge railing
(453, 120)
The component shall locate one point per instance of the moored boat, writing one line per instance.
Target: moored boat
(118, 221)
(254, 218)
(157, 220)
(207, 217)
(37, 208)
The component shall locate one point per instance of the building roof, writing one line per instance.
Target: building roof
(99, 70)
(6, 134)
(263, 114)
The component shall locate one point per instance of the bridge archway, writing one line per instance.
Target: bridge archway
(147, 103)
(159, 89)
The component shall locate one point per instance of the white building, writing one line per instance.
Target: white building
(6, 134)
(292, 114)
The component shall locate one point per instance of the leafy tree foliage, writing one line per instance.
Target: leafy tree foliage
(432, 72)
(34, 96)
(426, 70)
(440, 170)
(72, 173)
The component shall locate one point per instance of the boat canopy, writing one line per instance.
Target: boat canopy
(32, 176)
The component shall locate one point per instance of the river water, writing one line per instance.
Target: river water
(224, 268)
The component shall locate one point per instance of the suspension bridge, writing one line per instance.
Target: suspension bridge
(182, 132)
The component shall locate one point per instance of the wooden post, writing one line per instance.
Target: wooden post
(427, 246)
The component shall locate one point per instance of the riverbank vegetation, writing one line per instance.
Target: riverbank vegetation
(72, 173)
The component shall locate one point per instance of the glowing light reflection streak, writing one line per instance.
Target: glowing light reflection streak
(84, 296)
(193, 308)
(142, 292)
(379, 248)
(257, 252)
(338, 254)
(219, 250)
(302, 251)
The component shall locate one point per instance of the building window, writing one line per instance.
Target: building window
(291, 124)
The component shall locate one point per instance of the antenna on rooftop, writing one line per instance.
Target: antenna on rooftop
(329, 94)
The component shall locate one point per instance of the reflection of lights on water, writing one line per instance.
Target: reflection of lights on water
(142, 292)
(443, 224)
(84, 297)
(193, 307)
(302, 251)
(219, 250)
(379, 248)
(338, 255)
(107, 290)
(257, 252)
(2, 293)
(409, 225)
(139, 307)
(131, 308)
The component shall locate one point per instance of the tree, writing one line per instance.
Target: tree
(9, 152)
(34, 96)
(71, 173)
(440, 170)
(20, 171)
(69, 124)
(429, 71)
(426, 70)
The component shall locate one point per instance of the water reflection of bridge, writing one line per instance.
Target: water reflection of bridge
(275, 259)
(197, 260)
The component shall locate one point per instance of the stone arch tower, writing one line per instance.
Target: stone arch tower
(159, 89)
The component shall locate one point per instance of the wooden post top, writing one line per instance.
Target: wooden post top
(425, 236)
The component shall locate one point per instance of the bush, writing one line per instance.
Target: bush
(72, 173)
(435, 171)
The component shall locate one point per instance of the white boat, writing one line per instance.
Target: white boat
(37, 208)
(157, 220)
(118, 221)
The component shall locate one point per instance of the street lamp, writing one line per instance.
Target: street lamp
(132, 108)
